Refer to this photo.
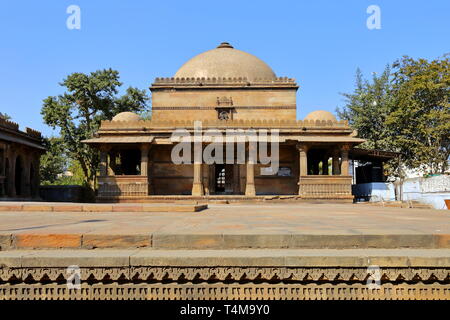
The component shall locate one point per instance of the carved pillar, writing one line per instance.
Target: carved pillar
(344, 158)
(250, 190)
(112, 163)
(303, 159)
(205, 175)
(303, 163)
(197, 184)
(335, 163)
(145, 148)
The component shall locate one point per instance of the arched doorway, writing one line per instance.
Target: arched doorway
(18, 176)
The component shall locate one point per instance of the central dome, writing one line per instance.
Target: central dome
(226, 62)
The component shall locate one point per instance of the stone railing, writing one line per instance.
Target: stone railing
(275, 123)
(223, 81)
(116, 186)
(326, 187)
(33, 133)
(9, 124)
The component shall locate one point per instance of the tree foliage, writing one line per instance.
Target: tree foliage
(53, 162)
(420, 118)
(77, 113)
(405, 109)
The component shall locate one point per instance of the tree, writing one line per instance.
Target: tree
(53, 162)
(77, 113)
(420, 119)
(407, 111)
(368, 107)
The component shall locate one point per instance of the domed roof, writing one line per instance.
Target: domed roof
(126, 116)
(320, 115)
(225, 62)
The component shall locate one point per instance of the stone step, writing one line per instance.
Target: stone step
(94, 207)
(214, 258)
(201, 241)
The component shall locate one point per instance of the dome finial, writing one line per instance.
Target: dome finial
(225, 45)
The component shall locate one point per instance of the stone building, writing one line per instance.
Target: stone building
(224, 89)
(19, 161)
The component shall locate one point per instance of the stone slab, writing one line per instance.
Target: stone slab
(91, 241)
(439, 258)
(54, 241)
(5, 242)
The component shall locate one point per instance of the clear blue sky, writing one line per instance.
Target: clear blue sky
(320, 43)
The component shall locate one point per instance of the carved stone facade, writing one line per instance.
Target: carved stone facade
(225, 283)
(19, 161)
(224, 90)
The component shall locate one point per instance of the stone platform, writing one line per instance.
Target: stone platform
(231, 226)
(229, 251)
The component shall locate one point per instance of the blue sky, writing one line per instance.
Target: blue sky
(319, 43)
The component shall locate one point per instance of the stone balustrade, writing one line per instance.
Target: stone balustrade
(325, 187)
(114, 186)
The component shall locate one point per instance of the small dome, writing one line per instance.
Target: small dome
(320, 115)
(126, 116)
(226, 62)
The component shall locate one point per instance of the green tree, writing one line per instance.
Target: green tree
(406, 110)
(53, 162)
(367, 108)
(77, 113)
(420, 119)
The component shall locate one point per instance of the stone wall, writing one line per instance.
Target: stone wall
(431, 190)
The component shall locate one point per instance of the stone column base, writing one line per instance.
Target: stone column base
(250, 190)
(197, 189)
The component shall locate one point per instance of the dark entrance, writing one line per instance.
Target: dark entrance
(223, 179)
(18, 176)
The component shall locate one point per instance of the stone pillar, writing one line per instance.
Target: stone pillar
(344, 158)
(250, 190)
(303, 160)
(112, 163)
(103, 162)
(205, 175)
(335, 163)
(197, 185)
(303, 164)
(145, 148)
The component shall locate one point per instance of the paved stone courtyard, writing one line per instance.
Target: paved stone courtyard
(260, 225)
